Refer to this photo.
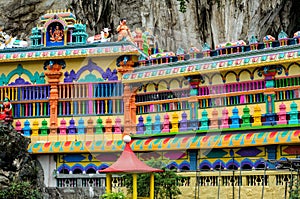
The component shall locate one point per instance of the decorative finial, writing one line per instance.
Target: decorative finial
(126, 138)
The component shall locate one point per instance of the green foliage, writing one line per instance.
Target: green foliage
(118, 195)
(20, 190)
(182, 7)
(166, 183)
(294, 188)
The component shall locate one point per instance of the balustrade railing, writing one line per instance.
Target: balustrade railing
(78, 180)
(90, 98)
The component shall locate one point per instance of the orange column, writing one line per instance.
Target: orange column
(53, 73)
(128, 99)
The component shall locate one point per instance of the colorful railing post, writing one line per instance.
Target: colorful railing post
(80, 127)
(44, 128)
(108, 126)
(26, 128)
(89, 136)
(140, 125)
(117, 126)
(72, 127)
(18, 127)
(282, 114)
(174, 122)
(246, 117)
(156, 126)
(148, 125)
(99, 126)
(166, 124)
(225, 119)
(257, 116)
(214, 121)
(63, 127)
(204, 120)
(35, 128)
(235, 118)
(90, 127)
(293, 114)
(183, 122)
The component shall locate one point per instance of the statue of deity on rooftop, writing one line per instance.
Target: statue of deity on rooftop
(56, 35)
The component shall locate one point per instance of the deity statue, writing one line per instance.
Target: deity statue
(123, 31)
(56, 35)
(6, 113)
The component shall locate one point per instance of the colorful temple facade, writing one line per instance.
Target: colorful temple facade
(234, 108)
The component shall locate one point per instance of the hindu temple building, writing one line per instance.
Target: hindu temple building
(223, 116)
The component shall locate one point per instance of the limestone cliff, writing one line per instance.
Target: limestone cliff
(211, 21)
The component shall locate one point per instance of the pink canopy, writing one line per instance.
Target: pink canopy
(129, 163)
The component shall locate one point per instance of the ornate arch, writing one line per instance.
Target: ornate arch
(229, 72)
(215, 74)
(287, 70)
(36, 78)
(91, 66)
(177, 80)
(245, 70)
(164, 81)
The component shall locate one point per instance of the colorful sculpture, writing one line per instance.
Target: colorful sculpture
(100, 38)
(6, 113)
(7, 41)
(123, 31)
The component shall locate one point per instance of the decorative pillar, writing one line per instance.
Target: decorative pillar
(193, 100)
(125, 65)
(235, 118)
(174, 122)
(282, 114)
(148, 125)
(269, 73)
(26, 128)
(53, 74)
(293, 114)
(204, 120)
(156, 126)
(183, 122)
(246, 117)
(225, 119)
(140, 125)
(193, 154)
(257, 116)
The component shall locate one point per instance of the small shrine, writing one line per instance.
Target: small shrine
(58, 28)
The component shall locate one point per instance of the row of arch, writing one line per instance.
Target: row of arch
(163, 83)
(205, 165)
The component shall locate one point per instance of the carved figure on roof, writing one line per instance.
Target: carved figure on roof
(104, 36)
(56, 35)
(123, 31)
(7, 41)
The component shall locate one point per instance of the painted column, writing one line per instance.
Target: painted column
(269, 73)
(151, 186)
(134, 186)
(193, 159)
(108, 183)
(193, 100)
(53, 74)
(126, 66)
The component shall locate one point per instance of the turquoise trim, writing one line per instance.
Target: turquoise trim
(36, 78)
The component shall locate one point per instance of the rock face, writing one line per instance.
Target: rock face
(211, 21)
(18, 171)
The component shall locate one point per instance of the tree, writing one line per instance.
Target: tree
(166, 183)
